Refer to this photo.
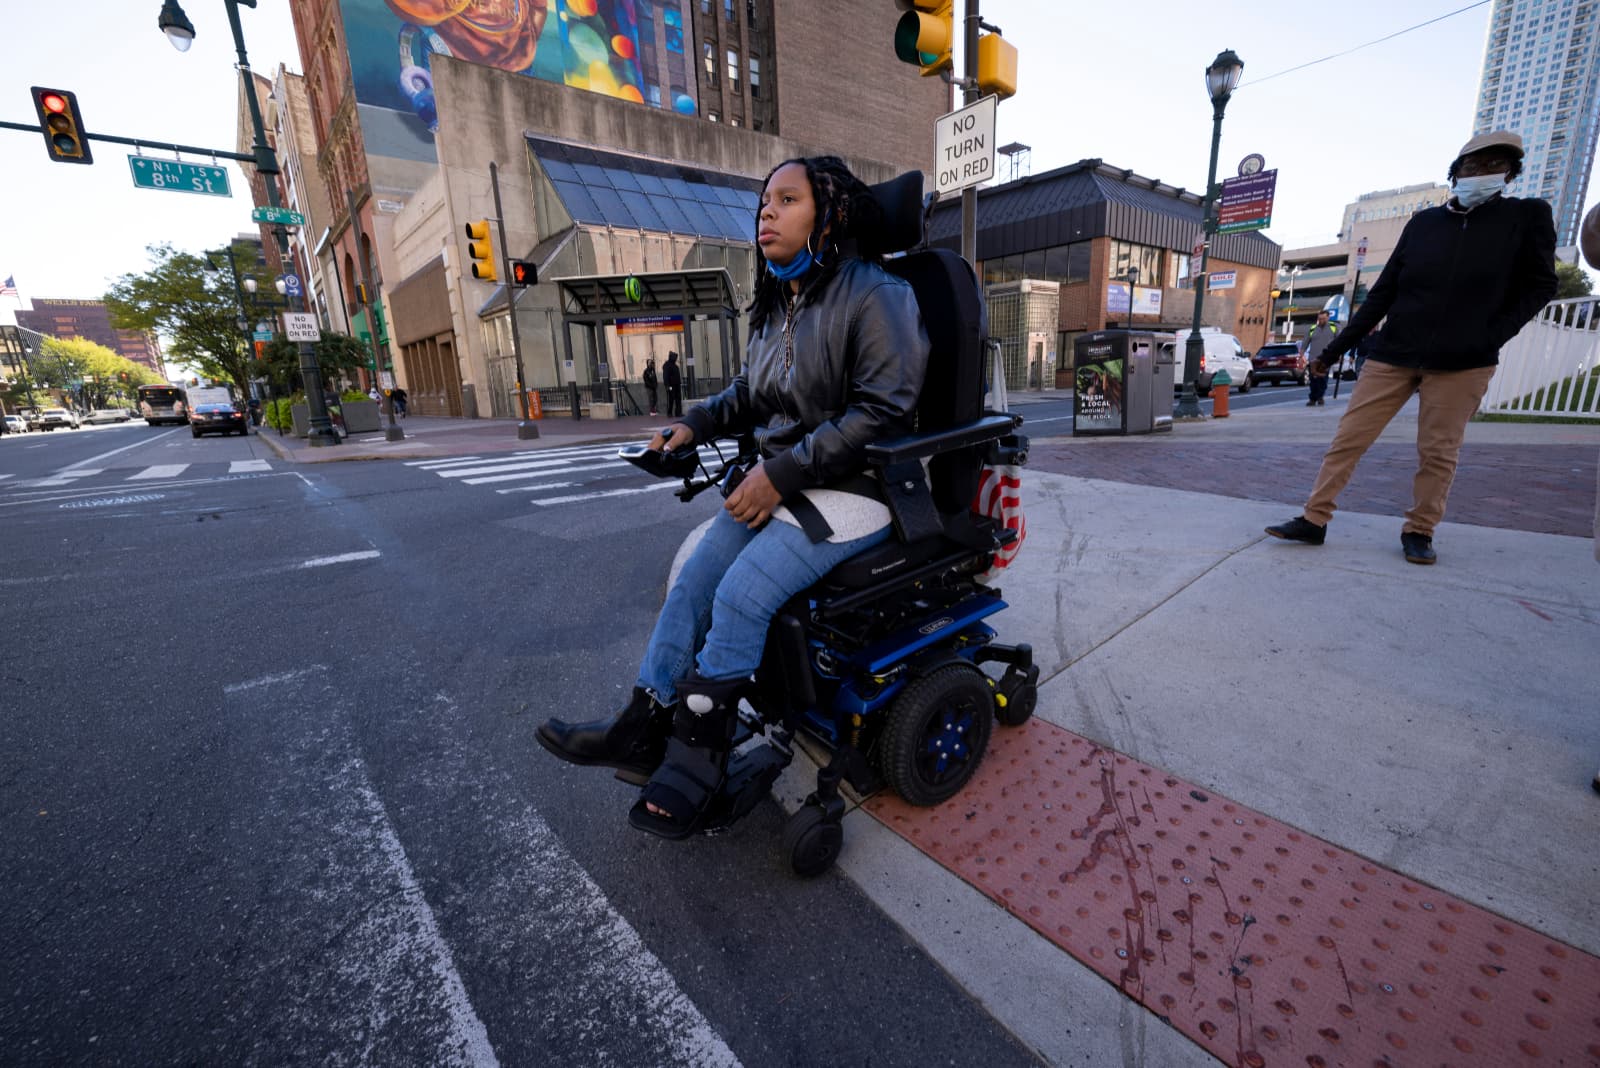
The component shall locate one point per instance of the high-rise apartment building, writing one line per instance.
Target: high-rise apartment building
(91, 320)
(1541, 78)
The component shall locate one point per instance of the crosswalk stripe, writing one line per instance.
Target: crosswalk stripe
(490, 469)
(66, 477)
(159, 471)
(546, 501)
(239, 467)
(428, 465)
(4, 477)
(557, 472)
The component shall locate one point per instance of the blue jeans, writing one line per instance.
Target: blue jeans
(731, 586)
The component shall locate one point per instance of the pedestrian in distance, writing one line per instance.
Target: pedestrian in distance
(809, 504)
(397, 397)
(1317, 340)
(650, 383)
(672, 378)
(1463, 280)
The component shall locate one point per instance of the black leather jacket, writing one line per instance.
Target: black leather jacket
(840, 371)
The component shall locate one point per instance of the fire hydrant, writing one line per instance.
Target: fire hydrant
(1219, 394)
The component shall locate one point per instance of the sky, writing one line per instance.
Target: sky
(1119, 81)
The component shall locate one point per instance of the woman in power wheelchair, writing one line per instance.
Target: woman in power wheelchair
(836, 591)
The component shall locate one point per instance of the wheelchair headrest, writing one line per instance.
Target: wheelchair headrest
(901, 200)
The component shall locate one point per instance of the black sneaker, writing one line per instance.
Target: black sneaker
(1418, 548)
(1299, 529)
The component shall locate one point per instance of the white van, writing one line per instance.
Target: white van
(1221, 351)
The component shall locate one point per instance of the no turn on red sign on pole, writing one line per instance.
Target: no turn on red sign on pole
(963, 146)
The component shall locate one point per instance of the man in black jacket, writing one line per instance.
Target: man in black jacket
(1463, 280)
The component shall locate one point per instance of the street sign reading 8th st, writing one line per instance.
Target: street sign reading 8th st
(179, 177)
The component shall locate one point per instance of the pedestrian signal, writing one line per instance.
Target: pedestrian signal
(997, 66)
(481, 251)
(925, 34)
(524, 273)
(64, 137)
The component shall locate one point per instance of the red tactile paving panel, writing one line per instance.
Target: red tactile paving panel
(1264, 944)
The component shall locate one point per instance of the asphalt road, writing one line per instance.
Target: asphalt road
(269, 792)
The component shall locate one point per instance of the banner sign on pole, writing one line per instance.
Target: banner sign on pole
(1246, 203)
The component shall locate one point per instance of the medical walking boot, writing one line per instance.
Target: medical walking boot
(696, 763)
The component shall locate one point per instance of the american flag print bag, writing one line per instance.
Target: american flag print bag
(1000, 486)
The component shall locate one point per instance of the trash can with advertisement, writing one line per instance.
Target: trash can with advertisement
(1114, 387)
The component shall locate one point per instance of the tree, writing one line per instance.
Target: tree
(87, 369)
(337, 355)
(197, 307)
(1571, 281)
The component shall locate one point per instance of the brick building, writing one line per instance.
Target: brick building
(1083, 227)
(91, 320)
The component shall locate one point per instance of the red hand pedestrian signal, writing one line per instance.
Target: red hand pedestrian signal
(524, 273)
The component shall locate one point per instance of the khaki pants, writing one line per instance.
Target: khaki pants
(1448, 399)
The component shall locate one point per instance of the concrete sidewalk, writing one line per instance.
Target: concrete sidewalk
(1440, 721)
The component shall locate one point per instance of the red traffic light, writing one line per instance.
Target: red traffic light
(62, 125)
(524, 273)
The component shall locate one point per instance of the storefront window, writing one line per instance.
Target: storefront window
(1125, 254)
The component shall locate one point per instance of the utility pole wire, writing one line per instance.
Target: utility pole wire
(1369, 44)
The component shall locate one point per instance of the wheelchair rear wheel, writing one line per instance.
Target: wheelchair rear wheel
(936, 734)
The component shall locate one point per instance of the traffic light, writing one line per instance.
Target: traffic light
(925, 34)
(361, 293)
(997, 66)
(64, 137)
(481, 251)
(524, 273)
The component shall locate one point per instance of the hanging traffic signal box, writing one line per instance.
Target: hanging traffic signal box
(64, 136)
(925, 34)
(524, 273)
(997, 66)
(481, 251)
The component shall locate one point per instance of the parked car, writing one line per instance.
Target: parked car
(52, 418)
(1278, 362)
(107, 415)
(15, 424)
(1221, 351)
(220, 418)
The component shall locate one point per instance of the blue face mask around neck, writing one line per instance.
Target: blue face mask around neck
(803, 261)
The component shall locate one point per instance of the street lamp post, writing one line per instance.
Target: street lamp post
(180, 31)
(1288, 315)
(1222, 78)
(1132, 275)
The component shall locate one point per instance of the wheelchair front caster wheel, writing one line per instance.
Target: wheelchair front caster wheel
(1015, 696)
(811, 841)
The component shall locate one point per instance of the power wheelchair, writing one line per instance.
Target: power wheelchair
(881, 661)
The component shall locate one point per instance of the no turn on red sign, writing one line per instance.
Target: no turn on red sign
(301, 326)
(963, 146)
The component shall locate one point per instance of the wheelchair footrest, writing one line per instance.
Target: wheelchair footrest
(751, 773)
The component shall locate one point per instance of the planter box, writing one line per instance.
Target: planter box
(301, 415)
(602, 410)
(360, 417)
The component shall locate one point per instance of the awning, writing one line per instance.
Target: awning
(604, 297)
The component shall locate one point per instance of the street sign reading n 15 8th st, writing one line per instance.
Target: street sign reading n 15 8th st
(277, 215)
(179, 177)
(963, 146)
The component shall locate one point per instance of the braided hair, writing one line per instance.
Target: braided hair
(846, 208)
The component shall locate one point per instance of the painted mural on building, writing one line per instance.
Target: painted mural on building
(629, 49)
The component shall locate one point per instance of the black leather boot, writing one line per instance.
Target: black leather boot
(633, 741)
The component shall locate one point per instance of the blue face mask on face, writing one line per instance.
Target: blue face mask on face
(1472, 190)
(803, 261)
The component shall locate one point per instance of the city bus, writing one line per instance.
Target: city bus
(163, 404)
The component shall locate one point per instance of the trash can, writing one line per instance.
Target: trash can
(1116, 384)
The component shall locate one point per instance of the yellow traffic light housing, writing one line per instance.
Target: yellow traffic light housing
(64, 137)
(481, 251)
(925, 34)
(997, 66)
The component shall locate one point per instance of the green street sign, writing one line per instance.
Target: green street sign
(278, 215)
(179, 177)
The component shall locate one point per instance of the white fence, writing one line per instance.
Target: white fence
(1552, 367)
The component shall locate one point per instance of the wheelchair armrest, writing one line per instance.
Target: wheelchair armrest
(916, 446)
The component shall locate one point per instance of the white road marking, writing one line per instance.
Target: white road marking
(272, 680)
(429, 465)
(125, 448)
(558, 472)
(670, 484)
(27, 498)
(239, 467)
(159, 471)
(342, 558)
(504, 465)
(544, 486)
(65, 477)
(4, 477)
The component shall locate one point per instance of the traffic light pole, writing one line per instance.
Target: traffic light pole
(527, 429)
(266, 162)
(971, 92)
(392, 432)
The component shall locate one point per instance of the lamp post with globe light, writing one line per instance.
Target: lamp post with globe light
(1222, 78)
(180, 31)
(1291, 273)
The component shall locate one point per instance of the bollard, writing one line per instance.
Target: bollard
(1219, 394)
(577, 405)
